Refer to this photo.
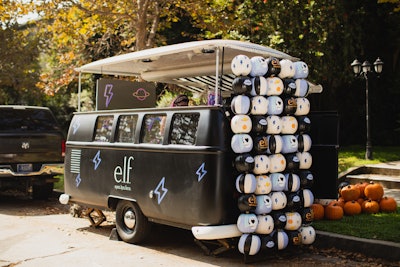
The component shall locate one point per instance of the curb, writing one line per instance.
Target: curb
(373, 248)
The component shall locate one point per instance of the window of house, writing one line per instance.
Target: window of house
(103, 128)
(126, 128)
(184, 128)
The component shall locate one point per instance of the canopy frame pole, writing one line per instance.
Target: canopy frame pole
(79, 91)
(216, 77)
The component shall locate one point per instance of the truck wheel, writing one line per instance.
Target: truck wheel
(42, 191)
(132, 225)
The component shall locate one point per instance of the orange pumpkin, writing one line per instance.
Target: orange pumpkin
(350, 192)
(374, 191)
(361, 186)
(341, 202)
(370, 206)
(352, 208)
(334, 202)
(318, 210)
(333, 212)
(388, 204)
(360, 201)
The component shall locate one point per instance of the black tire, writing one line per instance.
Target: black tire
(42, 191)
(132, 226)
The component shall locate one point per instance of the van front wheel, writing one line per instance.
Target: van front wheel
(132, 225)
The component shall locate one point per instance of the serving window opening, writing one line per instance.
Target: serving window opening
(184, 128)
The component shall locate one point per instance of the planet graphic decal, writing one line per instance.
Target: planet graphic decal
(141, 94)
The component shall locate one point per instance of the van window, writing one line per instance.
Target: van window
(126, 128)
(103, 128)
(152, 129)
(184, 128)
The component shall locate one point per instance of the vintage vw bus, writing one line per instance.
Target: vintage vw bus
(173, 166)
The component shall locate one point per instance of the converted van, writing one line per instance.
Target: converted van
(178, 166)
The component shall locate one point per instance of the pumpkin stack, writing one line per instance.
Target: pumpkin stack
(354, 199)
(271, 144)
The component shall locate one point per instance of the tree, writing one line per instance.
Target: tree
(19, 66)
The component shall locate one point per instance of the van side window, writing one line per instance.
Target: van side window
(103, 128)
(126, 128)
(152, 131)
(184, 128)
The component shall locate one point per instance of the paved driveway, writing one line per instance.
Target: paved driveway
(42, 233)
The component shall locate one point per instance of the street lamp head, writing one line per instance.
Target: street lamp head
(366, 67)
(378, 65)
(356, 65)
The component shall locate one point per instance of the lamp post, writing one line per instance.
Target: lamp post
(363, 70)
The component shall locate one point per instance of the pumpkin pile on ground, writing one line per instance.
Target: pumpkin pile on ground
(354, 199)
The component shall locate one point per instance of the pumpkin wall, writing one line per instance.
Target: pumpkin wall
(271, 140)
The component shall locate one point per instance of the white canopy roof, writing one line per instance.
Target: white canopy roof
(192, 65)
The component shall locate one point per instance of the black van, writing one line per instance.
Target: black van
(175, 165)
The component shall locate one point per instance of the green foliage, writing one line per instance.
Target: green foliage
(380, 226)
(19, 68)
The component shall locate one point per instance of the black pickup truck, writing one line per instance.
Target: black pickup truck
(32, 148)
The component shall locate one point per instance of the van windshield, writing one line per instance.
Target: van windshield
(23, 120)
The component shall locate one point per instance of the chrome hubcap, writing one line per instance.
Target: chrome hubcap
(130, 219)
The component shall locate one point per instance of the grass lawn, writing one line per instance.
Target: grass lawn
(354, 156)
(382, 226)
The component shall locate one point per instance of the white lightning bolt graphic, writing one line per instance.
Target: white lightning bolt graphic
(108, 94)
(96, 160)
(78, 180)
(201, 172)
(163, 189)
(76, 125)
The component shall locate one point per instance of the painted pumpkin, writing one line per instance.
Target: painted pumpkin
(307, 216)
(249, 244)
(374, 191)
(246, 183)
(241, 65)
(241, 85)
(267, 243)
(259, 105)
(258, 86)
(294, 237)
(261, 164)
(333, 212)
(244, 162)
(241, 124)
(293, 221)
(352, 208)
(240, 104)
(264, 205)
(247, 223)
(307, 235)
(388, 204)
(265, 224)
(370, 206)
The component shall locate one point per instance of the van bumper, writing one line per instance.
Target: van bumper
(46, 169)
